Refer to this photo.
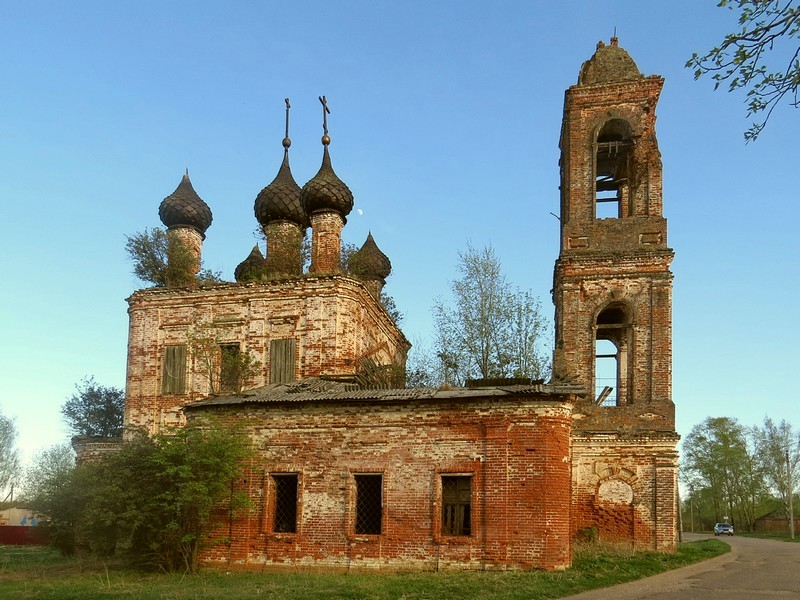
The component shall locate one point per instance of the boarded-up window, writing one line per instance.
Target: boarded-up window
(230, 367)
(285, 503)
(368, 504)
(173, 380)
(456, 504)
(281, 361)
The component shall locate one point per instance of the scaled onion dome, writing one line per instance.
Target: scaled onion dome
(369, 262)
(252, 268)
(281, 198)
(184, 208)
(326, 191)
(609, 64)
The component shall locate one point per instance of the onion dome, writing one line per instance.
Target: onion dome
(326, 191)
(369, 262)
(184, 208)
(609, 64)
(252, 268)
(281, 198)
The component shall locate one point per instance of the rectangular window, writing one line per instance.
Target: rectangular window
(368, 504)
(285, 487)
(456, 504)
(230, 368)
(173, 380)
(281, 361)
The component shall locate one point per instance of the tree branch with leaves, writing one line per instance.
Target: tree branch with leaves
(768, 32)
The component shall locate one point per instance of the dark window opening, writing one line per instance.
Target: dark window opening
(456, 504)
(173, 380)
(285, 503)
(281, 361)
(230, 372)
(368, 504)
(612, 155)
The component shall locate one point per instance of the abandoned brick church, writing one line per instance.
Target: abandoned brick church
(355, 471)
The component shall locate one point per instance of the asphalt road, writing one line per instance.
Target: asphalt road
(752, 570)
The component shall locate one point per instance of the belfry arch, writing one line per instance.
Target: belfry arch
(613, 151)
(612, 342)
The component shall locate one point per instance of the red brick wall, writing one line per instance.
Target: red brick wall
(625, 487)
(516, 451)
(326, 241)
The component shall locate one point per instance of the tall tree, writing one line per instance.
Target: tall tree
(490, 329)
(777, 442)
(718, 457)
(768, 30)
(47, 475)
(95, 410)
(9, 454)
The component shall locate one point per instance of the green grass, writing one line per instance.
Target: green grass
(37, 573)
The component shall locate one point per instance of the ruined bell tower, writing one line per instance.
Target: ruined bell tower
(613, 285)
(613, 296)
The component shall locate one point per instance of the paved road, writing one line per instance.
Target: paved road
(752, 570)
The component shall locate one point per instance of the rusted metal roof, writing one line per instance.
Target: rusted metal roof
(320, 389)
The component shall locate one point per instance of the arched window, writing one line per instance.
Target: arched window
(611, 360)
(612, 154)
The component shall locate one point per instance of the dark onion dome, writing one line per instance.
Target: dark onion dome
(326, 191)
(252, 268)
(609, 64)
(280, 200)
(369, 262)
(184, 208)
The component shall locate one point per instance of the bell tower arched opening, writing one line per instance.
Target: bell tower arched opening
(612, 361)
(612, 153)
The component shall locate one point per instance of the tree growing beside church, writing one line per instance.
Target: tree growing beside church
(762, 57)
(488, 329)
(95, 410)
(156, 501)
(164, 262)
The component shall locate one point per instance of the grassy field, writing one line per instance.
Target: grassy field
(39, 573)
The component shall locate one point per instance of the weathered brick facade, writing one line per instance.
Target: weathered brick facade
(489, 478)
(512, 445)
(334, 322)
(612, 284)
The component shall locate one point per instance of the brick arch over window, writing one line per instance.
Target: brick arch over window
(613, 157)
(613, 331)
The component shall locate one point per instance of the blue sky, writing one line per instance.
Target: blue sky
(445, 124)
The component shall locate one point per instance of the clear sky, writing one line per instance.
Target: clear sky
(445, 119)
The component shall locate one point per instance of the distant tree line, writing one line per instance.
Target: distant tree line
(735, 473)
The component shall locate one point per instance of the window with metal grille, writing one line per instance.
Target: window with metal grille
(281, 361)
(456, 504)
(173, 380)
(368, 504)
(230, 367)
(285, 503)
